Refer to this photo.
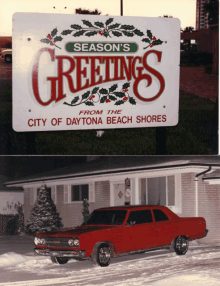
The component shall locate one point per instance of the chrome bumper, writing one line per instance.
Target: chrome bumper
(61, 253)
(206, 232)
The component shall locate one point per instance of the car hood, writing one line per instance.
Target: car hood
(70, 232)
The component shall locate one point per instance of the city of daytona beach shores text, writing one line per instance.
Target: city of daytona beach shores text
(98, 120)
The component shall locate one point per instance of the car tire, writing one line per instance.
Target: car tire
(8, 58)
(181, 244)
(59, 260)
(103, 255)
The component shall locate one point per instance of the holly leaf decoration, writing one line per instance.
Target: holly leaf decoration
(138, 32)
(95, 90)
(76, 27)
(47, 41)
(157, 42)
(126, 85)
(119, 94)
(105, 34)
(87, 23)
(128, 34)
(90, 103)
(109, 21)
(103, 91)
(112, 97)
(113, 87)
(80, 33)
(75, 100)
(89, 34)
(54, 32)
(66, 32)
(132, 100)
(127, 27)
(117, 34)
(146, 40)
(99, 24)
(58, 39)
(103, 99)
(86, 95)
(114, 26)
(119, 102)
(149, 34)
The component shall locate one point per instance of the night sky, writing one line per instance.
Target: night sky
(16, 166)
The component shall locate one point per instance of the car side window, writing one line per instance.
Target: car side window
(138, 217)
(159, 215)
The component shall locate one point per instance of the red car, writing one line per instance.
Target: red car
(116, 231)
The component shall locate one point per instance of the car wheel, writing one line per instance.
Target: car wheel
(59, 260)
(104, 255)
(181, 245)
(8, 58)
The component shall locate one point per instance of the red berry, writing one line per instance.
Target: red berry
(151, 46)
(104, 30)
(49, 37)
(125, 98)
(125, 89)
(91, 97)
(154, 38)
(108, 100)
(51, 44)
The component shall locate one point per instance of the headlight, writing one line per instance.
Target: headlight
(38, 240)
(74, 242)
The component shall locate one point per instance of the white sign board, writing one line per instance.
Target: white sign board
(94, 72)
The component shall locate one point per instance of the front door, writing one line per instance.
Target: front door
(119, 194)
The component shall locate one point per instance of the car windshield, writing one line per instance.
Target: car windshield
(109, 217)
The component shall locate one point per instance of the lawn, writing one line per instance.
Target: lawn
(195, 134)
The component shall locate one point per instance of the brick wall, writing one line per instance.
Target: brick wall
(209, 208)
(70, 213)
(188, 195)
(102, 194)
(27, 206)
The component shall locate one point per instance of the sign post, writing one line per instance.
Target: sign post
(73, 72)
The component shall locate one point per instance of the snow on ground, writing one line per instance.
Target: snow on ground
(200, 266)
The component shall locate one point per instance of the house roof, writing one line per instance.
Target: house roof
(119, 164)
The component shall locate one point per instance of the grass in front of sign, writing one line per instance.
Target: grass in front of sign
(196, 133)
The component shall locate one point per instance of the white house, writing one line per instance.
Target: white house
(188, 185)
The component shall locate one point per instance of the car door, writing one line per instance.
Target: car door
(139, 230)
(164, 228)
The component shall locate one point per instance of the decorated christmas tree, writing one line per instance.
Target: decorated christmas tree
(44, 216)
(85, 210)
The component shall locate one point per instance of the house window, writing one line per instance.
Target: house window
(161, 191)
(79, 193)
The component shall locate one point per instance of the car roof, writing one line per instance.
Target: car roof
(133, 207)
